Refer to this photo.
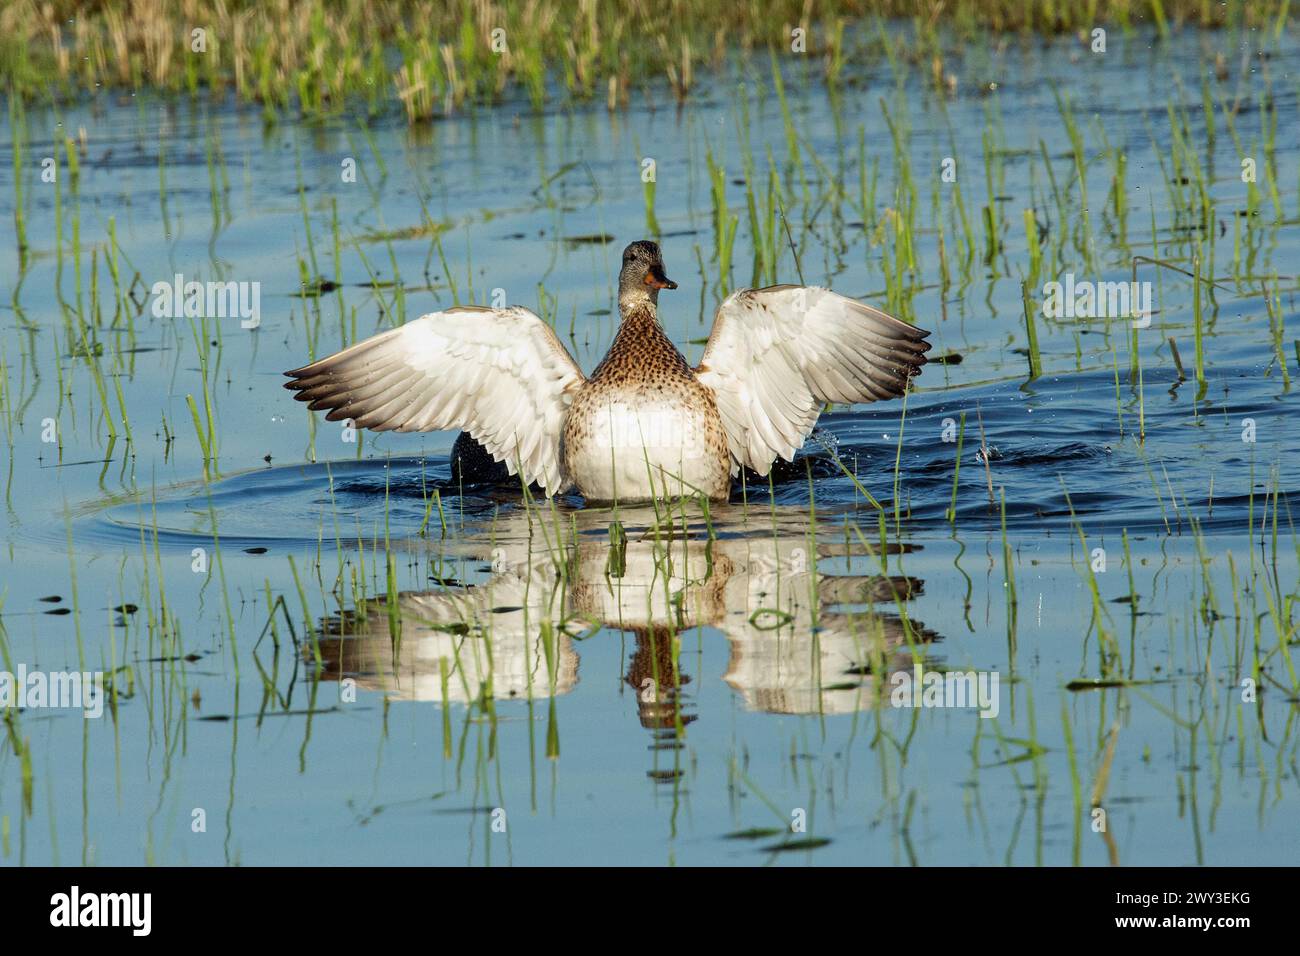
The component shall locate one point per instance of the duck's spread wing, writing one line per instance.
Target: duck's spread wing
(777, 355)
(500, 374)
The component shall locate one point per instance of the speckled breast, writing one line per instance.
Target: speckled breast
(643, 427)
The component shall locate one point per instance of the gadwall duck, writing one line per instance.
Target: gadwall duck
(645, 425)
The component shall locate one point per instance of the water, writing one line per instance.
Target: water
(278, 704)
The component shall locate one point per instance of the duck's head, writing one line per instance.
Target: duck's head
(642, 275)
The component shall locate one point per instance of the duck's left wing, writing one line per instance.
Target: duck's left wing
(500, 374)
(777, 355)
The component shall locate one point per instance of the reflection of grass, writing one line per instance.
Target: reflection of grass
(425, 230)
(435, 58)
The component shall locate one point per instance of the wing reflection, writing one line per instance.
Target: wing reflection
(809, 631)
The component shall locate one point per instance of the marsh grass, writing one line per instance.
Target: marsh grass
(430, 60)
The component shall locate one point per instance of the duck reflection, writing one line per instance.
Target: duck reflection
(808, 632)
(456, 644)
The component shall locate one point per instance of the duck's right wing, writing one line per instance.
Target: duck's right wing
(500, 374)
(777, 355)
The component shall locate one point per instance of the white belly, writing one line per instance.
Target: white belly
(630, 451)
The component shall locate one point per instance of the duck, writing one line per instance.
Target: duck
(645, 425)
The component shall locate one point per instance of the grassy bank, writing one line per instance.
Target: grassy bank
(428, 59)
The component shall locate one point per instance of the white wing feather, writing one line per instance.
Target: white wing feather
(777, 355)
(500, 374)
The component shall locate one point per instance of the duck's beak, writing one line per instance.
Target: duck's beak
(656, 279)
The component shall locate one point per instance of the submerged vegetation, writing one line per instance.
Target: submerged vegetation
(433, 58)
